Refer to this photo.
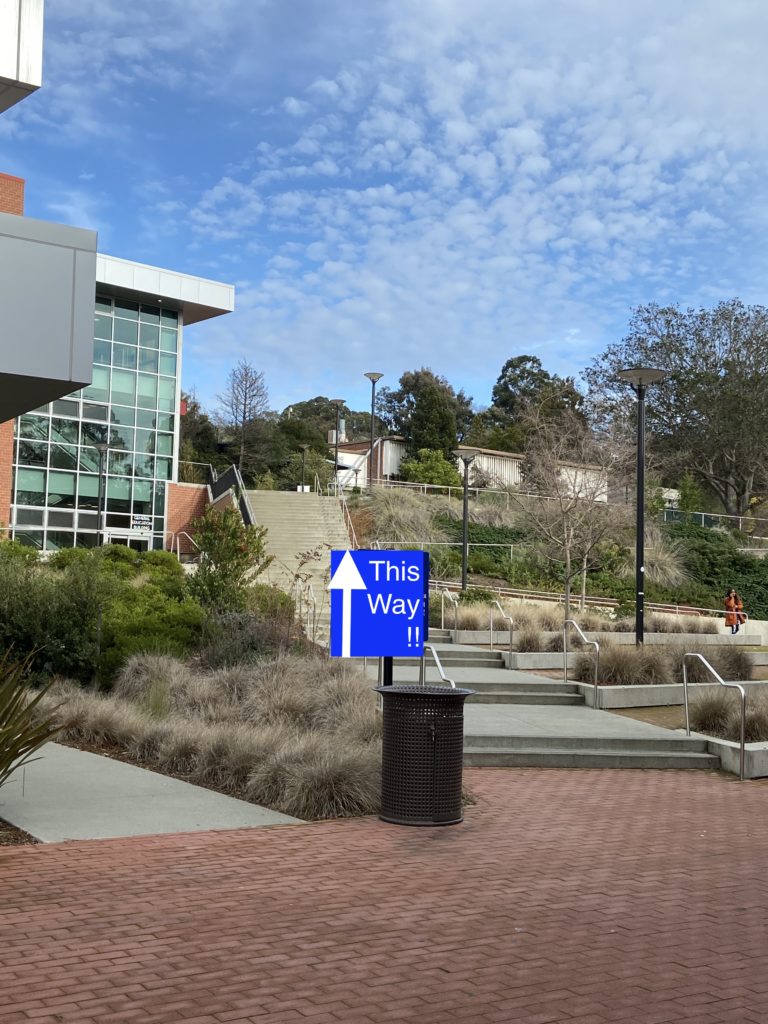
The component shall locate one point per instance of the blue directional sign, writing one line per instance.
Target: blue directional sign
(379, 603)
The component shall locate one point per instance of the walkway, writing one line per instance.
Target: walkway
(566, 896)
(70, 794)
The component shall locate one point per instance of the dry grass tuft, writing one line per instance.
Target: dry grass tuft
(624, 666)
(529, 640)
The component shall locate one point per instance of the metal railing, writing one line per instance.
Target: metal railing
(382, 545)
(436, 659)
(175, 542)
(722, 682)
(348, 518)
(453, 599)
(509, 619)
(591, 643)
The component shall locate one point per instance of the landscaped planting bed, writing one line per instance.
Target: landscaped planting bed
(300, 735)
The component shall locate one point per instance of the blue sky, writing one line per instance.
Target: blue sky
(408, 182)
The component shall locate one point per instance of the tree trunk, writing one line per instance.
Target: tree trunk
(567, 582)
(583, 600)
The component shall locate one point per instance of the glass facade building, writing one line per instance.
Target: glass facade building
(132, 405)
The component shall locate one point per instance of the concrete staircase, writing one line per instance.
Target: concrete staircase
(301, 531)
(587, 752)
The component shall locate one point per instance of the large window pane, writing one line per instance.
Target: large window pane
(30, 487)
(125, 356)
(121, 463)
(123, 415)
(33, 453)
(61, 489)
(87, 520)
(57, 539)
(56, 518)
(129, 310)
(99, 389)
(102, 352)
(126, 332)
(34, 427)
(147, 391)
(65, 408)
(86, 540)
(168, 363)
(150, 314)
(88, 492)
(123, 387)
(163, 469)
(64, 456)
(149, 335)
(148, 360)
(118, 495)
(95, 412)
(146, 419)
(142, 497)
(102, 327)
(145, 465)
(145, 441)
(64, 430)
(168, 340)
(103, 304)
(121, 437)
(165, 444)
(30, 538)
(159, 499)
(169, 317)
(94, 433)
(29, 516)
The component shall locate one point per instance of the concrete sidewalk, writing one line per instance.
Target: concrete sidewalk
(71, 794)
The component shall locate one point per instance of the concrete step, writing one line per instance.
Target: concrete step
(675, 743)
(462, 659)
(539, 697)
(553, 757)
(544, 687)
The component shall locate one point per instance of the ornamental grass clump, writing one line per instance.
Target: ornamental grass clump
(623, 666)
(711, 711)
(301, 735)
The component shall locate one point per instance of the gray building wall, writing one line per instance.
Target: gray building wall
(47, 285)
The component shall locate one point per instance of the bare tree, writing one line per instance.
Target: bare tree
(242, 407)
(570, 469)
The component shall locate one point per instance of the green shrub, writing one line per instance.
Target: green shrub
(268, 602)
(147, 620)
(230, 638)
(232, 555)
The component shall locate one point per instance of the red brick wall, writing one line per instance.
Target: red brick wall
(11, 194)
(185, 503)
(11, 201)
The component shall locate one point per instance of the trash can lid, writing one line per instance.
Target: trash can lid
(424, 691)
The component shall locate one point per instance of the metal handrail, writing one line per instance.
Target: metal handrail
(348, 518)
(731, 686)
(309, 590)
(509, 619)
(455, 602)
(586, 640)
(436, 659)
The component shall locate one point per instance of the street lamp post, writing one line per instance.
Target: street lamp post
(639, 378)
(102, 448)
(374, 378)
(339, 403)
(467, 456)
(303, 463)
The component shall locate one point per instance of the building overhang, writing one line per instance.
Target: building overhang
(196, 298)
(21, 50)
(47, 286)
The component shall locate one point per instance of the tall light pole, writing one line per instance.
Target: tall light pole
(102, 448)
(467, 456)
(339, 403)
(374, 378)
(303, 448)
(639, 378)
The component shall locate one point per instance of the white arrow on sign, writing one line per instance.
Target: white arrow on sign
(346, 579)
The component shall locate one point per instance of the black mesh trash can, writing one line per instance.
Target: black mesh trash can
(422, 753)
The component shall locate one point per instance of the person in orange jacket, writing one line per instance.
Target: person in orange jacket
(733, 611)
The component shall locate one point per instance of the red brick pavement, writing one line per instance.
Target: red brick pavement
(578, 896)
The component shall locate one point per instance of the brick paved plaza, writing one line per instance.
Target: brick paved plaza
(578, 896)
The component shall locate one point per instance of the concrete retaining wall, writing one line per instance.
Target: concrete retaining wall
(611, 697)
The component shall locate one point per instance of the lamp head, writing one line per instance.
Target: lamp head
(642, 376)
(467, 455)
(373, 377)
(338, 402)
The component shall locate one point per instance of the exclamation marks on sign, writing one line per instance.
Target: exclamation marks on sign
(413, 636)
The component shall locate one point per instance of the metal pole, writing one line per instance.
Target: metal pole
(303, 467)
(100, 502)
(336, 464)
(465, 531)
(640, 520)
(373, 434)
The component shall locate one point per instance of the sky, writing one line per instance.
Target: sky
(408, 183)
